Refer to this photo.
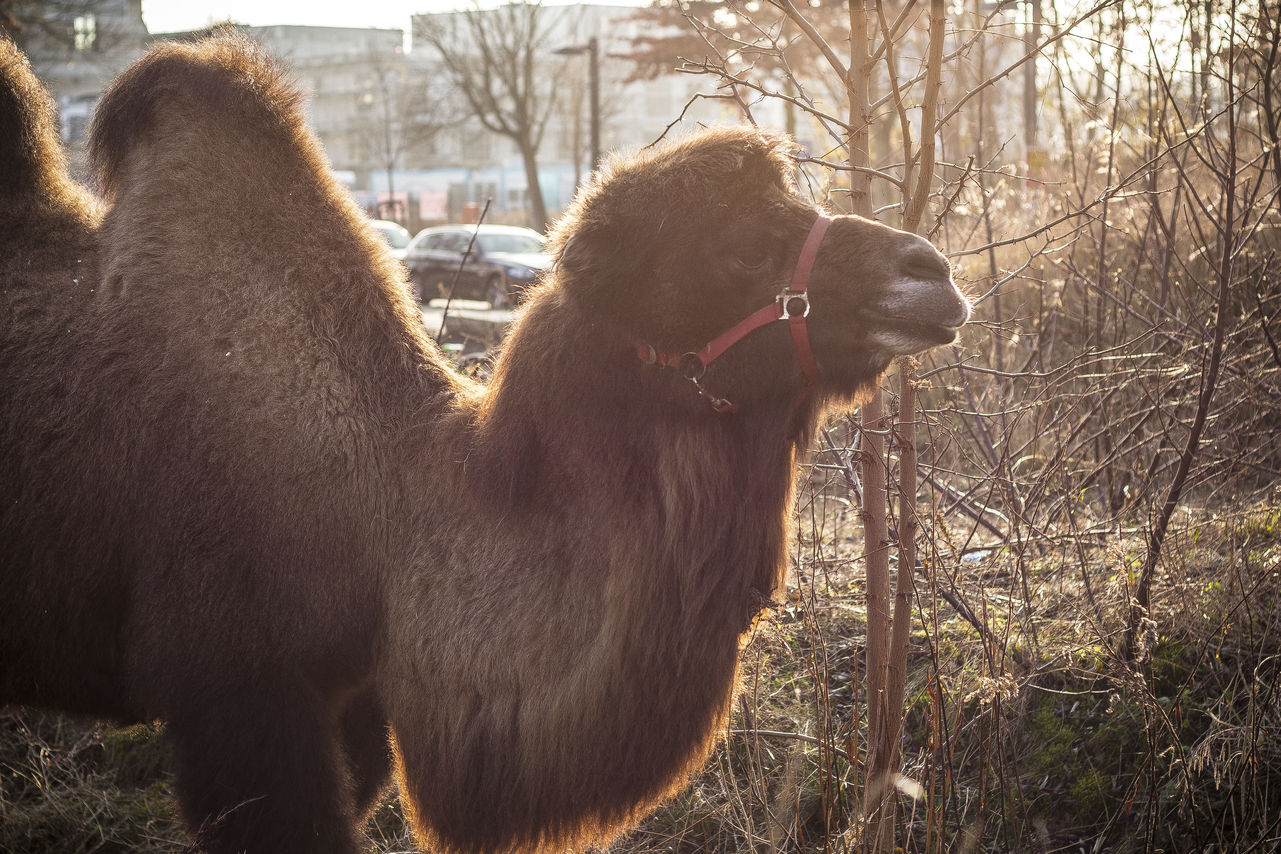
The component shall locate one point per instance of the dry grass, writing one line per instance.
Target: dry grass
(70, 786)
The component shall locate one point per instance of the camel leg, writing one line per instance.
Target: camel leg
(260, 769)
(364, 741)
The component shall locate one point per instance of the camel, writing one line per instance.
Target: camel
(244, 493)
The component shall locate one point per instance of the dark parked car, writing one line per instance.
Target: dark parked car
(504, 261)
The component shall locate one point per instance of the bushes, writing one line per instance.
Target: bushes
(1071, 747)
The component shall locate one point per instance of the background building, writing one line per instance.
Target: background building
(396, 130)
(76, 50)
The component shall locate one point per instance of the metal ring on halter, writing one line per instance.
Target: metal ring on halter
(786, 311)
(692, 367)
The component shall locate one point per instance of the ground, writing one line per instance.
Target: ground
(1031, 735)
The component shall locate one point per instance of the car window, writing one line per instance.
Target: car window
(515, 244)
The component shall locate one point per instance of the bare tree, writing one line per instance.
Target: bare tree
(500, 60)
(771, 43)
(400, 112)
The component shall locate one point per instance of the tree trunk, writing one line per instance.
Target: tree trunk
(537, 207)
(877, 802)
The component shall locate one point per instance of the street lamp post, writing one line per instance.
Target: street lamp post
(592, 49)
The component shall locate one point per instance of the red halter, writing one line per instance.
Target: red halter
(792, 304)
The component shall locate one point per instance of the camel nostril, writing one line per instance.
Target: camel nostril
(923, 261)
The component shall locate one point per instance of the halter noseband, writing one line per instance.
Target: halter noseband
(791, 304)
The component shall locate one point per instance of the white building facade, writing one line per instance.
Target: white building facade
(404, 143)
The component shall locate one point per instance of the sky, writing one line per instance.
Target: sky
(167, 16)
(164, 16)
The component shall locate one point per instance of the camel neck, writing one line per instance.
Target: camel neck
(592, 660)
(583, 410)
(633, 543)
(681, 492)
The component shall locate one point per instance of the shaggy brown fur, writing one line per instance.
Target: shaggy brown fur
(248, 496)
(46, 219)
(47, 274)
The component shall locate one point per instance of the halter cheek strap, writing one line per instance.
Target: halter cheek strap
(792, 304)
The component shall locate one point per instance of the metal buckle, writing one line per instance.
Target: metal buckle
(784, 301)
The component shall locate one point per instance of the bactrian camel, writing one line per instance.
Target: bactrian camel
(241, 490)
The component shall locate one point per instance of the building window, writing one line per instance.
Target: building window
(86, 32)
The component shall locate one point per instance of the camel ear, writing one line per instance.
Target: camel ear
(586, 254)
(594, 263)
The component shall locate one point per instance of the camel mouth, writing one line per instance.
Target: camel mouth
(934, 334)
(923, 314)
(963, 312)
(935, 303)
(905, 336)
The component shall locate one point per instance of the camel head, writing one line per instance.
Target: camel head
(673, 250)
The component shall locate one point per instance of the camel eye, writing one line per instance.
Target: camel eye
(752, 257)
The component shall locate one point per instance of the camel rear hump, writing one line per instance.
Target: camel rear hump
(46, 218)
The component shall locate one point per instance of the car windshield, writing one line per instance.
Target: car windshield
(511, 244)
